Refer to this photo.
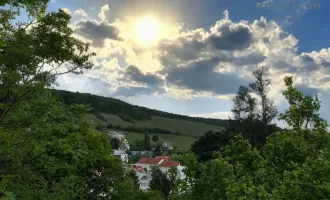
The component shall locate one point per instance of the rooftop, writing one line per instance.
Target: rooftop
(169, 164)
(150, 161)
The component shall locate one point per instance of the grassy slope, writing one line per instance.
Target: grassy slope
(187, 128)
(181, 142)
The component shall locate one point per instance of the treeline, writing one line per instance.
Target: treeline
(139, 129)
(125, 111)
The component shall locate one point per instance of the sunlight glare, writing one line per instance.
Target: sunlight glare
(147, 31)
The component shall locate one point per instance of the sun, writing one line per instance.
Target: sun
(147, 30)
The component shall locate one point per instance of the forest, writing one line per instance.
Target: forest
(49, 151)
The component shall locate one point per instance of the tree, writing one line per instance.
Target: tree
(294, 164)
(160, 182)
(155, 138)
(174, 180)
(303, 110)
(134, 178)
(244, 105)
(261, 87)
(147, 142)
(47, 149)
(147, 195)
(254, 122)
(115, 143)
(206, 145)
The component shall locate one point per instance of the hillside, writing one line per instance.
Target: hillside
(134, 120)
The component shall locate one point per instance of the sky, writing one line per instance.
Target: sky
(190, 56)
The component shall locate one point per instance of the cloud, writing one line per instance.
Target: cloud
(201, 76)
(80, 12)
(137, 91)
(96, 31)
(216, 115)
(226, 35)
(84, 84)
(105, 10)
(67, 10)
(132, 73)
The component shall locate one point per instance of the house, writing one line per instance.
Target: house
(168, 145)
(143, 176)
(147, 163)
(123, 141)
(121, 154)
(164, 163)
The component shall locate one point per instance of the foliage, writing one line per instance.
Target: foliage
(160, 182)
(146, 142)
(47, 149)
(261, 87)
(155, 138)
(303, 110)
(134, 178)
(209, 143)
(254, 121)
(147, 195)
(115, 143)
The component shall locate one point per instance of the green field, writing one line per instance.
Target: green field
(181, 142)
(189, 130)
(184, 127)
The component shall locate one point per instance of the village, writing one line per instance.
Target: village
(144, 165)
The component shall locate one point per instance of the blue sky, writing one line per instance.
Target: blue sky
(190, 56)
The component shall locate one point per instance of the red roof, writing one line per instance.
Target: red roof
(169, 164)
(166, 158)
(150, 161)
(136, 168)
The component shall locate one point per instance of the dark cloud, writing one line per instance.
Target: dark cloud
(137, 91)
(325, 80)
(229, 36)
(132, 73)
(306, 59)
(97, 32)
(200, 76)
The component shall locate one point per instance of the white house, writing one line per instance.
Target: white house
(144, 177)
(163, 162)
(121, 154)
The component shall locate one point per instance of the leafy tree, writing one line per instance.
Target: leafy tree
(245, 106)
(47, 150)
(115, 143)
(208, 144)
(303, 110)
(134, 177)
(250, 120)
(158, 151)
(160, 182)
(147, 195)
(155, 138)
(174, 180)
(261, 87)
(147, 142)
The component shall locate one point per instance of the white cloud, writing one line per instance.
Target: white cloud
(67, 10)
(104, 11)
(216, 115)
